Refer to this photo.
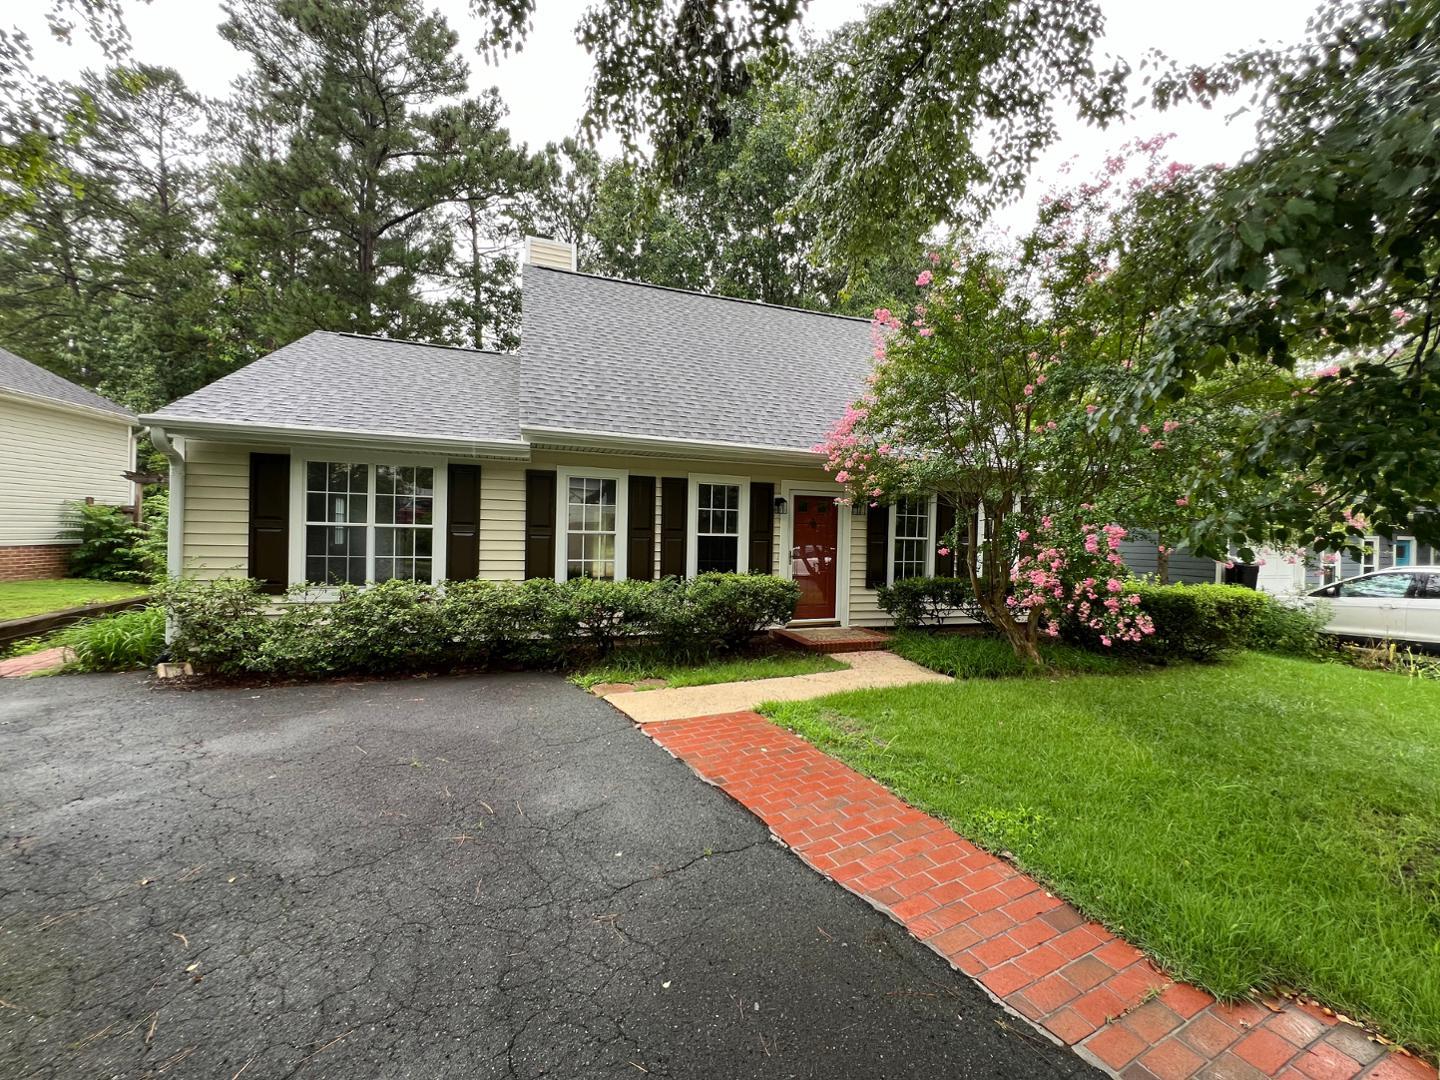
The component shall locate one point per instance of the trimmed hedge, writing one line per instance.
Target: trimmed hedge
(925, 601)
(228, 627)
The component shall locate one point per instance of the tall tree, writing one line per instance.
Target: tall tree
(108, 276)
(1323, 251)
(344, 199)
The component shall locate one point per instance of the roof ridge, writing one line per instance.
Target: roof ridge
(697, 292)
(412, 341)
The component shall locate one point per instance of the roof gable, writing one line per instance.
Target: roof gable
(624, 358)
(22, 377)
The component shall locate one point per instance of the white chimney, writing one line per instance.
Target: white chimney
(556, 254)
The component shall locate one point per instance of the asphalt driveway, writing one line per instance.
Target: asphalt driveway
(465, 878)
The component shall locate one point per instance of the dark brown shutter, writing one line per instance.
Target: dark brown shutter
(539, 523)
(270, 521)
(762, 528)
(640, 556)
(674, 494)
(877, 541)
(946, 565)
(462, 523)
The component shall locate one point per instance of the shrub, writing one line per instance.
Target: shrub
(227, 626)
(107, 537)
(719, 611)
(1292, 629)
(151, 550)
(985, 656)
(1193, 622)
(126, 641)
(922, 601)
(220, 625)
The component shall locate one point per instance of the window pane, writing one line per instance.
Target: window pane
(717, 554)
(334, 554)
(590, 526)
(424, 510)
(385, 478)
(424, 481)
(1381, 585)
(384, 541)
(315, 473)
(423, 569)
(315, 506)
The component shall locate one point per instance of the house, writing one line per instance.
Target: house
(59, 444)
(639, 432)
(1289, 574)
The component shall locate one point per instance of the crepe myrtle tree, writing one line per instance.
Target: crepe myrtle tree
(967, 399)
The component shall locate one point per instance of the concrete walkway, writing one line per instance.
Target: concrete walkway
(867, 670)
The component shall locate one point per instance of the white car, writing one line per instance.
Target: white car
(1399, 604)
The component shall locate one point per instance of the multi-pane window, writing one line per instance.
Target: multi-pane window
(912, 538)
(717, 529)
(368, 523)
(1369, 555)
(336, 515)
(404, 521)
(590, 527)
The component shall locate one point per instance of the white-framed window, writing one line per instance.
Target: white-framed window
(592, 519)
(910, 549)
(1370, 555)
(364, 519)
(719, 525)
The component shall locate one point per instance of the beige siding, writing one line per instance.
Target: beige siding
(217, 510)
(502, 520)
(217, 506)
(50, 457)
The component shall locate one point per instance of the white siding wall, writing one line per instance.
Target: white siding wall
(50, 457)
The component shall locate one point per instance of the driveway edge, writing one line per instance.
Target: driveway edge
(1032, 952)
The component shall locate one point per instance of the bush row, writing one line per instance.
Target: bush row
(229, 627)
(1200, 622)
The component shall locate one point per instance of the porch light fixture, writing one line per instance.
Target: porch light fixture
(781, 506)
(857, 509)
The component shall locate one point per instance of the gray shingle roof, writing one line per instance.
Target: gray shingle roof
(23, 377)
(598, 354)
(345, 382)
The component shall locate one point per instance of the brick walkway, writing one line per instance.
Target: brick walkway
(1031, 950)
(17, 666)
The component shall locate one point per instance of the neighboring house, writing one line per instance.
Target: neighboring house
(1288, 574)
(59, 444)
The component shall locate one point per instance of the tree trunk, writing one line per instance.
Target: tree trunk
(990, 593)
(1162, 563)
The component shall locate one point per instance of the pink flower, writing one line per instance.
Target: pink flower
(924, 279)
(1171, 425)
(926, 331)
(1024, 535)
(1050, 425)
(842, 477)
(1157, 445)
(1182, 501)
(1401, 316)
(1029, 389)
(1091, 410)
(1328, 372)
(944, 551)
(1039, 380)
(1144, 429)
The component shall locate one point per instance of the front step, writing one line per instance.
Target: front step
(833, 639)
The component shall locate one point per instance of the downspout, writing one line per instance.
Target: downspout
(175, 527)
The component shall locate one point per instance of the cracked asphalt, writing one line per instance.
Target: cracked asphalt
(457, 877)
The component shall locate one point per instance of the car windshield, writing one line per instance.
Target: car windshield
(1377, 585)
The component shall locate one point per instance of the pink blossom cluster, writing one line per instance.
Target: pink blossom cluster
(1079, 577)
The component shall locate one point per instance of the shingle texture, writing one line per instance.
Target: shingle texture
(344, 382)
(619, 357)
(24, 377)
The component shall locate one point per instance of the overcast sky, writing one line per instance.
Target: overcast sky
(544, 86)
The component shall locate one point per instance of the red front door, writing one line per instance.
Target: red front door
(813, 556)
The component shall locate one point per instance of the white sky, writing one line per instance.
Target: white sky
(544, 86)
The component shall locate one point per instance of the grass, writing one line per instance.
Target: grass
(125, 641)
(976, 656)
(641, 663)
(1260, 823)
(21, 598)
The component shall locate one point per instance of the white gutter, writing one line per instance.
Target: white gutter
(290, 433)
(93, 411)
(175, 524)
(562, 438)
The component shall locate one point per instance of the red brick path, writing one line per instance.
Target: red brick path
(1036, 953)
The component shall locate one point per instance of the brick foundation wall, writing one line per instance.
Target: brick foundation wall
(24, 562)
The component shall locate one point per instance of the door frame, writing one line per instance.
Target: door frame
(788, 490)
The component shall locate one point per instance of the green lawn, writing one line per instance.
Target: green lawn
(642, 664)
(981, 656)
(1264, 822)
(21, 598)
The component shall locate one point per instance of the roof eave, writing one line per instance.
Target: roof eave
(202, 427)
(560, 438)
(117, 415)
